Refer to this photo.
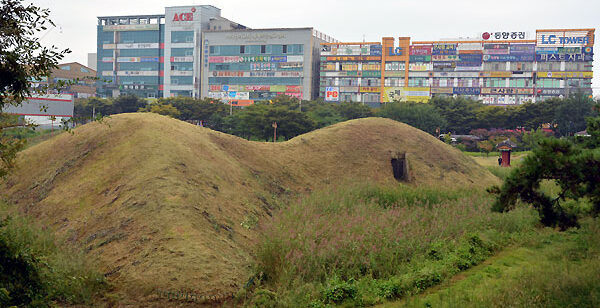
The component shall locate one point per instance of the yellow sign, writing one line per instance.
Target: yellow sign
(496, 74)
(370, 89)
(406, 94)
(565, 74)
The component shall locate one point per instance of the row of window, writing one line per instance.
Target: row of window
(460, 82)
(233, 50)
(487, 66)
(255, 80)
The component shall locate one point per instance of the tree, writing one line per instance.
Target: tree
(22, 59)
(531, 139)
(422, 116)
(571, 113)
(486, 146)
(127, 103)
(575, 169)
(164, 109)
(354, 110)
(460, 112)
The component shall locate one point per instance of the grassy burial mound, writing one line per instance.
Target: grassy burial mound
(166, 205)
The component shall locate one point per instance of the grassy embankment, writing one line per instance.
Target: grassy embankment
(362, 244)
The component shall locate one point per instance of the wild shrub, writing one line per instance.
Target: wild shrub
(35, 271)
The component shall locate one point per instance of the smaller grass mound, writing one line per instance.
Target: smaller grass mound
(36, 271)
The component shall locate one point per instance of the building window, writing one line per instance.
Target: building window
(285, 49)
(65, 67)
(263, 48)
(242, 49)
(84, 70)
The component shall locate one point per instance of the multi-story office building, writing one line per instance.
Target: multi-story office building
(154, 55)
(500, 68)
(246, 65)
(193, 51)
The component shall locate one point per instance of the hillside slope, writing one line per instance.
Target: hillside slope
(163, 204)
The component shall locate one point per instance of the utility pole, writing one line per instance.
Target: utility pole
(274, 131)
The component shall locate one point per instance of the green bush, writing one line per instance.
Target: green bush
(35, 271)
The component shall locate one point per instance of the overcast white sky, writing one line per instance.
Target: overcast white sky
(345, 20)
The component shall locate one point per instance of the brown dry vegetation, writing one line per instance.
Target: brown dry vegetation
(163, 204)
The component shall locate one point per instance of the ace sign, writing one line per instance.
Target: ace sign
(332, 94)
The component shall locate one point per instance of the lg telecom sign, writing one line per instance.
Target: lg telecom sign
(184, 16)
(332, 94)
(562, 39)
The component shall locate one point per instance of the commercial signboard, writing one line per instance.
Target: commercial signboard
(420, 50)
(182, 59)
(137, 46)
(469, 47)
(371, 74)
(404, 94)
(140, 27)
(557, 57)
(107, 59)
(370, 89)
(470, 58)
(504, 35)
(509, 91)
(182, 73)
(443, 49)
(437, 90)
(547, 91)
(563, 38)
(522, 49)
(375, 50)
(137, 73)
(500, 74)
(565, 74)
(444, 58)
(255, 74)
(420, 58)
(417, 67)
(332, 94)
(506, 58)
(443, 65)
(466, 91)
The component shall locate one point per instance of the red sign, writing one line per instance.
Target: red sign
(183, 17)
(420, 50)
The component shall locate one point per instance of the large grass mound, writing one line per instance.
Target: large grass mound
(163, 204)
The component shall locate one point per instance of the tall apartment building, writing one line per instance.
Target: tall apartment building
(500, 68)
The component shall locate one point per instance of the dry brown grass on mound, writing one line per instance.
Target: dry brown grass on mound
(163, 204)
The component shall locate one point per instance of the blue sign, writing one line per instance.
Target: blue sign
(154, 59)
(470, 58)
(546, 50)
(395, 51)
(375, 50)
(522, 49)
(506, 58)
(553, 39)
(468, 64)
(570, 57)
(278, 58)
(466, 91)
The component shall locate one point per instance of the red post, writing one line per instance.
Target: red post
(506, 158)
